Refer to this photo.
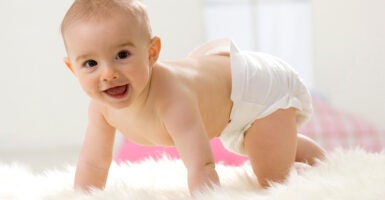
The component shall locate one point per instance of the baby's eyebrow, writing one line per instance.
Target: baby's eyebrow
(126, 44)
(82, 57)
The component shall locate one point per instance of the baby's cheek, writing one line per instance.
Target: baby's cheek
(88, 89)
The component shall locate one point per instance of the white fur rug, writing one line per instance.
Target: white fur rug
(353, 174)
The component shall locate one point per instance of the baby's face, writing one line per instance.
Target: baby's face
(110, 57)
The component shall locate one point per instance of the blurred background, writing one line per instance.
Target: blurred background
(337, 46)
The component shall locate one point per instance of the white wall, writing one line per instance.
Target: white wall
(349, 55)
(179, 23)
(41, 103)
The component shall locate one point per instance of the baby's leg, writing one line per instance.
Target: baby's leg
(308, 151)
(271, 144)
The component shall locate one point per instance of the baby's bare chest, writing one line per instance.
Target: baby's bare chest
(144, 128)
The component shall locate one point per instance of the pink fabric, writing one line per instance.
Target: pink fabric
(334, 128)
(330, 127)
(133, 152)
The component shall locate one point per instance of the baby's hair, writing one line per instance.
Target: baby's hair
(99, 9)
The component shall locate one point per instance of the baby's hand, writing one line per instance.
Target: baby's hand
(202, 179)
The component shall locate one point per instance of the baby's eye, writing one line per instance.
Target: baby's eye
(123, 54)
(90, 63)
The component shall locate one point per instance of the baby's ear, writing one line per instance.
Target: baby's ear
(68, 64)
(154, 50)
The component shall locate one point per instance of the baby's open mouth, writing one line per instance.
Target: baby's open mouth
(117, 92)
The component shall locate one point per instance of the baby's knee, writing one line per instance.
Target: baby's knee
(265, 180)
(271, 174)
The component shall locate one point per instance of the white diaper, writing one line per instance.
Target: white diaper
(261, 84)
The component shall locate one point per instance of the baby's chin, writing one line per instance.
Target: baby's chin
(117, 105)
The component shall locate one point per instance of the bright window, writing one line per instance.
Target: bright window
(281, 28)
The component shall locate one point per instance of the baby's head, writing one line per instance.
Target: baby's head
(110, 48)
(98, 10)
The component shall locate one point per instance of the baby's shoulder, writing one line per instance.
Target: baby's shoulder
(172, 80)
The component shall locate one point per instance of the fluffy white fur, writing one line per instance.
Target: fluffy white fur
(353, 174)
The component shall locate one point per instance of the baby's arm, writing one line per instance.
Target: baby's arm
(96, 154)
(183, 121)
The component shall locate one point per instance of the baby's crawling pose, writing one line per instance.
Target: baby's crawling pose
(253, 101)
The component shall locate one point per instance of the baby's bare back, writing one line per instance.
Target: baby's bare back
(212, 86)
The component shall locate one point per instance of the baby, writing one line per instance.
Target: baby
(254, 102)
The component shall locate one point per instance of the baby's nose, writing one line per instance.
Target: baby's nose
(109, 75)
